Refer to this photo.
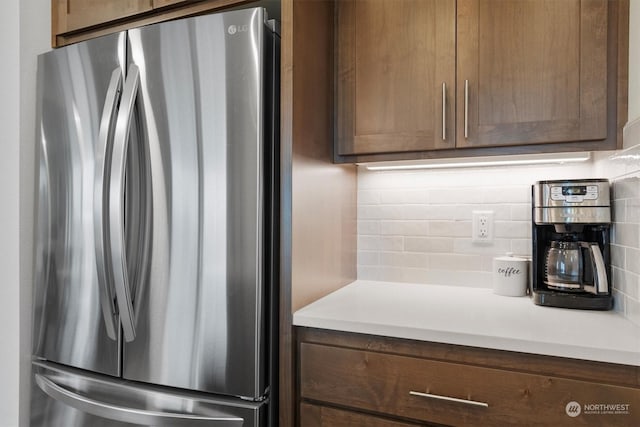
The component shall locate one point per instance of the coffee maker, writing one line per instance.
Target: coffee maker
(571, 264)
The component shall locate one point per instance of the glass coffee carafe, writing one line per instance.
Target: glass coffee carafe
(575, 266)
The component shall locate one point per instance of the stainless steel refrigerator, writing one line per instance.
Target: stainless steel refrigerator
(155, 291)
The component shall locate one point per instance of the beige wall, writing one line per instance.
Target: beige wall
(9, 215)
(634, 60)
(24, 28)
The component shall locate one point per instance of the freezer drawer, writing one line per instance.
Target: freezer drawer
(72, 398)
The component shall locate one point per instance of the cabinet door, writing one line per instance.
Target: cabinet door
(163, 3)
(323, 416)
(531, 71)
(395, 60)
(70, 15)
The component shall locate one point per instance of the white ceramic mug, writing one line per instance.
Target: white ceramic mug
(510, 275)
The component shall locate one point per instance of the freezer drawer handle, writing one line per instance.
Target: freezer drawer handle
(449, 399)
(130, 415)
(103, 159)
(116, 201)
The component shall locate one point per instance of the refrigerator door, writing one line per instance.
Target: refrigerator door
(74, 315)
(199, 321)
(73, 398)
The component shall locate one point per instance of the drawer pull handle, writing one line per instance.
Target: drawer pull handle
(444, 111)
(449, 399)
(466, 109)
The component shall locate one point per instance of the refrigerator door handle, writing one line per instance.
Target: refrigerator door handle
(100, 227)
(116, 202)
(132, 415)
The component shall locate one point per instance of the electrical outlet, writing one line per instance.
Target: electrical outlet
(482, 226)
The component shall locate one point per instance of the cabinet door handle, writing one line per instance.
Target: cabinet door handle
(444, 111)
(449, 399)
(466, 109)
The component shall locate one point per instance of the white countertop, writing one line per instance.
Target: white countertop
(474, 317)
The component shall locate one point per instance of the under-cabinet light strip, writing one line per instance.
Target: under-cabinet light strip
(468, 162)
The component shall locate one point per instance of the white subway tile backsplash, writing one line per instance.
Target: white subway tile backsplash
(632, 260)
(453, 196)
(393, 212)
(392, 243)
(415, 226)
(440, 212)
(404, 228)
(368, 243)
(404, 259)
(417, 212)
(496, 248)
(521, 212)
(627, 282)
(368, 258)
(455, 262)
(368, 197)
(367, 227)
(632, 211)
(501, 212)
(632, 310)
(512, 229)
(619, 210)
(501, 195)
(521, 247)
(625, 234)
(442, 228)
(428, 244)
(617, 256)
(626, 188)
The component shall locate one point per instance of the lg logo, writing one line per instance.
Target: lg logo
(237, 29)
(573, 409)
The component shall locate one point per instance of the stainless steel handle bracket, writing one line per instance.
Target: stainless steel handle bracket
(116, 203)
(449, 399)
(103, 159)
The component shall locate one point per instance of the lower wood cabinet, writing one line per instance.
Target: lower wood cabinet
(323, 416)
(357, 380)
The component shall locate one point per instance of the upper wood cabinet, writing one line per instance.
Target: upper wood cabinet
(77, 20)
(440, 78)
(531, 71)
(73, 15)
(162, 3)
(396, 75)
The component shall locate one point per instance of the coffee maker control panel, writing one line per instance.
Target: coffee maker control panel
(574, 193)
(571, 193)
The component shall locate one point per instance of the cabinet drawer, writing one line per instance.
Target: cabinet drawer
(383, 383)
(322, 416)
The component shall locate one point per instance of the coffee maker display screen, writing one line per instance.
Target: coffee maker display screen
(579, 190)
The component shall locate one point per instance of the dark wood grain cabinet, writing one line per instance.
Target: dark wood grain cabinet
(352, 380)
(74, 15)
(77, 20)
(395, 75)
(447, 77)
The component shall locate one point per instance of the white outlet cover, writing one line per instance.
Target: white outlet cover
(482, 227)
